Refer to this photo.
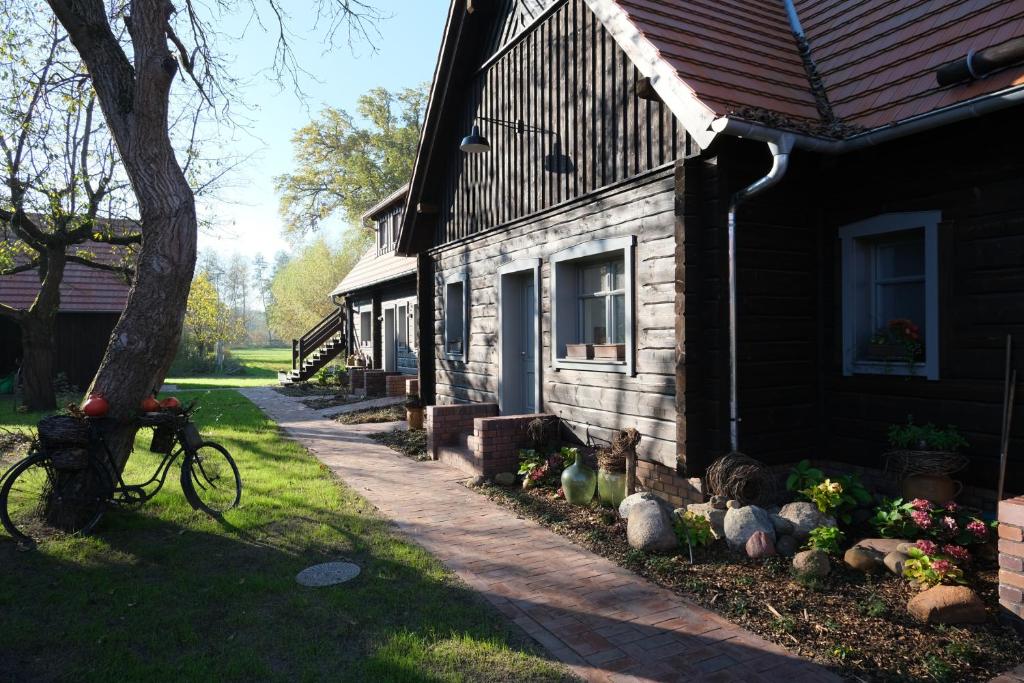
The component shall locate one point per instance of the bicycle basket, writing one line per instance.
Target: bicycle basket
(70, 459)
(163, 439)
(190, 437)
(61, 431)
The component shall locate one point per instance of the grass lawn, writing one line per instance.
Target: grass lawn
(259, 368)
(165, 593)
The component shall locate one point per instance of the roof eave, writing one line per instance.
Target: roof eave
(385, 203)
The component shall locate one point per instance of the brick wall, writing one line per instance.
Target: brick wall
(377, 383)
(396, 385)
(666, 484)
(412, 387)
(357, 380)
(445, 423)
(497, 440)
(1011, 560)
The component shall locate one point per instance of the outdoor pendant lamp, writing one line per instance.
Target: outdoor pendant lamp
(475, 143)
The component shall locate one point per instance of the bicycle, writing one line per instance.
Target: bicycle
(67, 486)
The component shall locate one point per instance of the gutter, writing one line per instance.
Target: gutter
(941, 117)
(780, 150)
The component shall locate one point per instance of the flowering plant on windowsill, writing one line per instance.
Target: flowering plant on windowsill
(899, 339)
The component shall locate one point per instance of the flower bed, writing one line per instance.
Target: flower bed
(855, 622)
(372, 415)
(411, 443)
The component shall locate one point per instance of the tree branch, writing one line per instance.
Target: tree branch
(14, 270)
(127, 272)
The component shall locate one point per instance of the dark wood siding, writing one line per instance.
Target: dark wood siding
(80, 342)
(586, 128)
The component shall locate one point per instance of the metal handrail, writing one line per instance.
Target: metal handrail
(316, 337)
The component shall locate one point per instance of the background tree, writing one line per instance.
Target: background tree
(299, 288)
(236, 288)
(64, 199)
(261, 283)
(345, 166)
(209, 321)
(132, 73)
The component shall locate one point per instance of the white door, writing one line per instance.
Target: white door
(529, 345)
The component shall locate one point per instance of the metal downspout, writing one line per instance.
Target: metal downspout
(780, 163)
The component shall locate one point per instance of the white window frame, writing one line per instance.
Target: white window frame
(854, 278)
(460, 277)
(368, 312)
(565, 297)
(402, 325)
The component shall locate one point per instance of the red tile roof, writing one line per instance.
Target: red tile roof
(83, 290)
(876, 58)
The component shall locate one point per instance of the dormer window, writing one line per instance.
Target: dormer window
(387, 231)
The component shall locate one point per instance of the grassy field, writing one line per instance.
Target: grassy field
(165, 593)
(259, 368)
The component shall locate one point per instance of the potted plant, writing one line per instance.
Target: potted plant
(414, 411)
(584, 351)
(611, 476)
(898, 339)
(926, 455)
(610, 351)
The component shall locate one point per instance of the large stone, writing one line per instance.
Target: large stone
(783, 527)
(805, 517)
(714, 515)
(895, 561)
(948, 605)
(629, 501)
(505, 479)
(812, 563)
(742, 523)
(718, 502)
(786, 546)
(863, 560)
(882, 546)
(649, 527)
(760, 546)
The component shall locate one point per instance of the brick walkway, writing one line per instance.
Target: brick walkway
(605, 622)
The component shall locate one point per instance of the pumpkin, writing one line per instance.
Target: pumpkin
(170, 404)
(95, 405)
(150, 405)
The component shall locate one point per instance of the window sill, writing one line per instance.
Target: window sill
(896, 368)
(593, 365)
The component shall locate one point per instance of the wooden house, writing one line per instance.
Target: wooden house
(699, 219)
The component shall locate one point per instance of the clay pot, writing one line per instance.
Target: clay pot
(95, 406)
(938, 488)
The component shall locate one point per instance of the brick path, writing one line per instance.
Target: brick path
(605, 622)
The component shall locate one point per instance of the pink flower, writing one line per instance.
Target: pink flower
(560, 493)
(927, 547)
(942, 566)
(920, 504)
(921, 518)
(950, 524)
(957, 552)
(951, 506)
(978, 528)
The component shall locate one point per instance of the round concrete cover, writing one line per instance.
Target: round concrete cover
(327, 574)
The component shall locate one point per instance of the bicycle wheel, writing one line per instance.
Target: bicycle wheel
(210, 479)
(38, 501)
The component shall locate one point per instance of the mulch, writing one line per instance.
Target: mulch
(855, 623)
(392, 413)
(13, 446)
(411, 443)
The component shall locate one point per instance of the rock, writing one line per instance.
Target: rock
(718, 502)
(894, 562)
(948, 605)
(505, 479)
(783, 527)
(812, 563)
(715, 516)
(649, 528)
(733, 505)
(760, 546)
(741, 523)
(478, 480)
(863, 560)
(786, 546)
(804, 517)
(882, 546)
(628, 502)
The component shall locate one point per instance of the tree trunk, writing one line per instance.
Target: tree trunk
(37, 362)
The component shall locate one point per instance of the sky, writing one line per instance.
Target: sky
(245, 211)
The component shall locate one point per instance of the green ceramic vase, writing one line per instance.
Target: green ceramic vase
(579, 483)
(611, 487)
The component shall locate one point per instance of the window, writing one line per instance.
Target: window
(592, 306)
(366, 328)
(890, 295)
(455, 329)
(382, 239)
(402, 323)
(414, 322)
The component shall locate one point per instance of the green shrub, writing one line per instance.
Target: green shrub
(925, 437)
(826, 538)
(694, 527)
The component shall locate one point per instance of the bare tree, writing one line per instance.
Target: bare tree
(60, 173)
(132, 73)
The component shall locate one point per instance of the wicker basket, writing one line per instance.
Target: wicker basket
(60, 431)
(907, 463)
(70, 459)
